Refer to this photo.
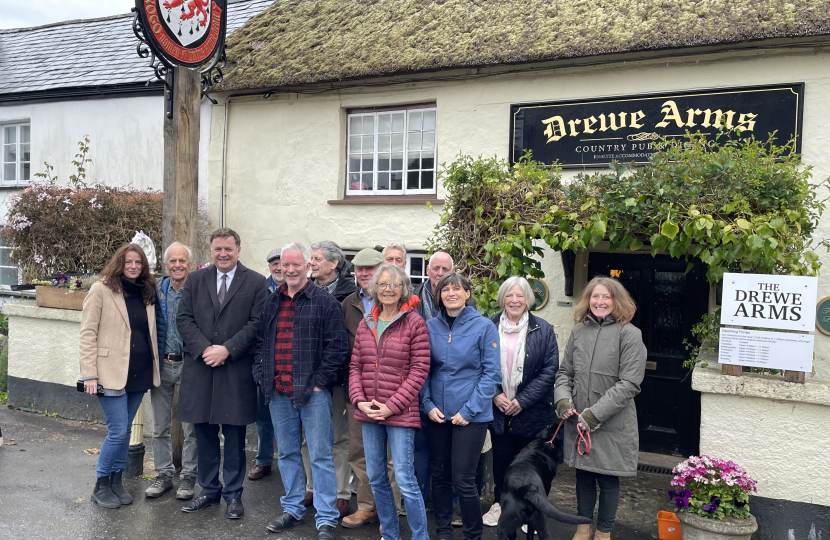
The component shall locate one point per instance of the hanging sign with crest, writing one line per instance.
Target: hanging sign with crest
(188, 33)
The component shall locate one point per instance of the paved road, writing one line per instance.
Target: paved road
(46, 480)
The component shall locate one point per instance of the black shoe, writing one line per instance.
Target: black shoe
(118, 489)
(325, 532)
(235, 509)
(285, 521)
(103, 494)
(199, 503)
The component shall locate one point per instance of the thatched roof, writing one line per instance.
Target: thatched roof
(299, 42)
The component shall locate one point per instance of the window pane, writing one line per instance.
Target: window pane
(9, 173)
(416, 266)
(428, 160)
(367, 181)
(383, 162)
(383, 143)
(8, 276)
(354, 163)
(413, 161)
(354, 144)
(397, 142)
(426, 179)
(416, 121)
(354, 181)
(397, 181)
(429, 120)
(24, 152)
(24, 134)
(384, 123)
(11, 135)
(368, 143)
(355, 125)
(24, 173)
(412, 180)
(5, 259)
(10, 153)
(429, 140)
(414, 140)
(397, 123)
(367, 162)
(368, 125)
(383, 181)
(397, 162)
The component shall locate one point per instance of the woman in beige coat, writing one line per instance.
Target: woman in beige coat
(598, 378)
(119, 359)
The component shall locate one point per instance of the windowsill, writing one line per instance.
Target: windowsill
(23, 184)
(387, 199)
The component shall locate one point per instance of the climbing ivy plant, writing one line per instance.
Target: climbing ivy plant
(736, 203)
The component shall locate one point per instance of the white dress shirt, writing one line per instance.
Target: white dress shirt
(219, 275)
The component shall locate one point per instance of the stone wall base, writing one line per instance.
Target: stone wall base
(784, 520)
(47, 397)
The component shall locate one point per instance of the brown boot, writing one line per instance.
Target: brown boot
(599, 535)
(583, 532)
(359, 518)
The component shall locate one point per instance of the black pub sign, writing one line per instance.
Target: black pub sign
(591, 133)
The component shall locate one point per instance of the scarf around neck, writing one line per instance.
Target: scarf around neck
(512, 380)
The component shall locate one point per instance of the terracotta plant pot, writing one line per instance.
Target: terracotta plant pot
(54, 297)
(697, 527)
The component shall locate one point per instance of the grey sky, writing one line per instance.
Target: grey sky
(23, 13)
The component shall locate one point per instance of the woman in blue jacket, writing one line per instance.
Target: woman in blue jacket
(457, 397)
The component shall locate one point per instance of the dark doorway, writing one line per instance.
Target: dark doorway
(669, 302)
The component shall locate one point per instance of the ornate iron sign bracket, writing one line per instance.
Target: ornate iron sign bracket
(162, 70)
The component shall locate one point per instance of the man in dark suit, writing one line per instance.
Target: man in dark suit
(218, 317)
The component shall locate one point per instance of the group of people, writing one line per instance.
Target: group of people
(361, 374)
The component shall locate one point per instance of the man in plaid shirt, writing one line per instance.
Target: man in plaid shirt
(301, 344)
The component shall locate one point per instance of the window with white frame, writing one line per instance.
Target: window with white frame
(416, 268)
(16, 153)
(391, 152)
(8, 271)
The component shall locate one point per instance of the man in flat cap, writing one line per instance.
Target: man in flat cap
(264, 426)
(355, 305)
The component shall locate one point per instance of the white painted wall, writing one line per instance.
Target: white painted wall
(285, 154)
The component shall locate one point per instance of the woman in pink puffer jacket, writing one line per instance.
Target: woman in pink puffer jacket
(390, 362)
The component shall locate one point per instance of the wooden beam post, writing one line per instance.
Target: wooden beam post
(181, 160)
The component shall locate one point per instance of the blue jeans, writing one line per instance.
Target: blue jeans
(119, 412)
(402, 442)
(422, 471)
(289, 421)
(265, 431)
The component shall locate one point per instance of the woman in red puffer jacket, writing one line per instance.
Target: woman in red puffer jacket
(390, 362)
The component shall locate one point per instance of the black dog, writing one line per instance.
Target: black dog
(524, 495)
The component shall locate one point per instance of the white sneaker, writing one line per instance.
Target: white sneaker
(491, 518)
(524, 530)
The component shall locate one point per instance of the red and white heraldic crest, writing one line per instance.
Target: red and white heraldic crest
(185, 33)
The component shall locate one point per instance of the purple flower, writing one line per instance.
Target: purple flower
(681, 497)
(712, 507)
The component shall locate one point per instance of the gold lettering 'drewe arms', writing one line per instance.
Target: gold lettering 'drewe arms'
(716, 118)
(555, 125)
(671, 113)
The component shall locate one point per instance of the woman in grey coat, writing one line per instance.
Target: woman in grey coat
(598, 378)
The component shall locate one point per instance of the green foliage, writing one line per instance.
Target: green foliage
(706, 332)
(738, 204)
(4, 364)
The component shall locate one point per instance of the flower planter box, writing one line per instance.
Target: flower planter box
(55, 297)
(697, 527)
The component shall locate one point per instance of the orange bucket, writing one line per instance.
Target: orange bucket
(668, 526)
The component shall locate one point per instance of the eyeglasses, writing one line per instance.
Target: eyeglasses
(390, 285)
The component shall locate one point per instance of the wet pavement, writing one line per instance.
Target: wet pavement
(46, 480)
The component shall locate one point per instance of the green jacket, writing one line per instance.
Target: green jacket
(603, 367)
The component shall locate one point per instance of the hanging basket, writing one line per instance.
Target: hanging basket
(697, 527)
(54, 297)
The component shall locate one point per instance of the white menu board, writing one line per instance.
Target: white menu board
(761, 349)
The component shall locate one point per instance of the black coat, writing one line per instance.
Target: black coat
(224, 394)
(535, 393)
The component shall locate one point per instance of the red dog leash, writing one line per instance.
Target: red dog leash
(583, 433)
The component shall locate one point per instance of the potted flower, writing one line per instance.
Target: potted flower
(712, 499)
(64, 292)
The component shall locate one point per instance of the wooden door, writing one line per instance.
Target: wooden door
(669, 302)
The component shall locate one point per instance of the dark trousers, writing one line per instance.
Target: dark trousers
(505, 449)
(422, 472)
(609, 497)
(454, 455)
(210, 456)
